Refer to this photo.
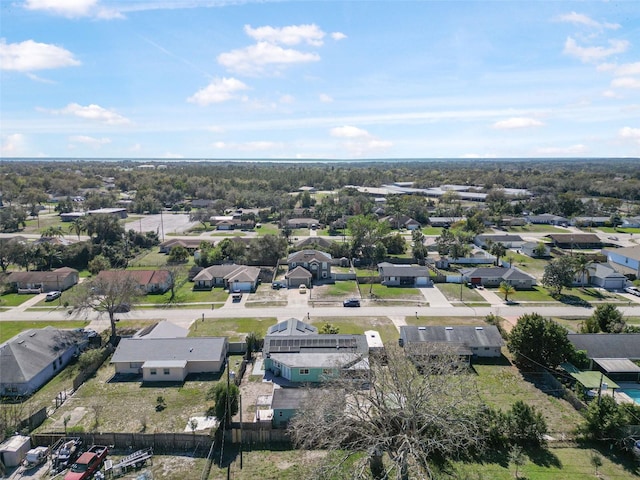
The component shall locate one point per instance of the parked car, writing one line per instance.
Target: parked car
(351, 302)
(277, 285)
(302, 289)
(53, 295)
(236, 297)
(122, 308)
(633, 291)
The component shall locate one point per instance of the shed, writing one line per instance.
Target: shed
(14, 449)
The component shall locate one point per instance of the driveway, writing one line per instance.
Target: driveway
(490, 296)
(435, 297)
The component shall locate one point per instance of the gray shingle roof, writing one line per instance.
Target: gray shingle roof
(161, 349)
(292, 326)
(470, 336)
(392, 270)
(607, 345)
(28, 353)
(288, 398)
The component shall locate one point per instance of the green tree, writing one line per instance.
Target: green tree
(104, 228)
(603, 419)
(608, 318)
(418, 250)
(98, 263)
(106, 294)
(537, 342)
(226, 401)
(178, 254)
(254, 344)
(526, 425)
(558, 274)
(78, 226)
(366, 231)
(395, 244)
(540, 250)
(506, 289)
(498, 250)
(12, 218)
(329, 328)
(517, 458)
(581, 267)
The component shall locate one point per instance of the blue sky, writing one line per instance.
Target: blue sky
(319, 79)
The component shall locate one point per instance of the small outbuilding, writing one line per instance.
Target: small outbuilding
(14, 449)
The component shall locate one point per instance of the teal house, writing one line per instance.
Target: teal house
(296, 352)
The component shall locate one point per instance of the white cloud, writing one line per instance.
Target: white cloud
(338, 36)
(90, 141)
(73, 8)
(94, 112)
(254, 59)
(172, 155)
(610, 94)
(358, 141)
(517, 122)
(581, 19)
(12, 144)
(219, 90)
(625, 82)
(592, 54)
(287, 99)
(215, 129)
(28, 56)
(348, 131)
(290, 35)
(620, 70)
(629, 133)
(324, 98)
(570, 150)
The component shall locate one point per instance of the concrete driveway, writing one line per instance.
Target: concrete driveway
(435, 297)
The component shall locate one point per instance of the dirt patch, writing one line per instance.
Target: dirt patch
(251, 388)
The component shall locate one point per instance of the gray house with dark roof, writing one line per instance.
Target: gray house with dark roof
(468, 341)
(285, 403)
(170, 359)
(33, 357)
(233, 277)
(508, 240)
(393, 275)
(611, 353)
(494, 276)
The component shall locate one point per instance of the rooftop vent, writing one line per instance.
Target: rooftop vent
(448, 328)
(479, 328)
(422, 328)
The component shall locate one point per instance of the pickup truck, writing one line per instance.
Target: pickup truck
(88, 463)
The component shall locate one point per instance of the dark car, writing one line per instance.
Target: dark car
(351, 302)
(276, 285)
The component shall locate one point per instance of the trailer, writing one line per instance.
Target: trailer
(132, 461)
(64, 452)
(35, 457)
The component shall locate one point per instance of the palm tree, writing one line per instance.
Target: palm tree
(506, 289)
(78, 226)
(52, 232)
(498, 249)
(582, 264)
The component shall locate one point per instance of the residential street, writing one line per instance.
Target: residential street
(184, 317)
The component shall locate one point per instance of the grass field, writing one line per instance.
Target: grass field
(452, 293)
(234, 328)
(392, 293)
(537, 228)
(358, 325)
(14, 299)
(9, 329)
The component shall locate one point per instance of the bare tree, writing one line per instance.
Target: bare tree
(114, 292)
(419, 410)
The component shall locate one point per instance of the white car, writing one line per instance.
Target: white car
(633, 291)
(53, 295)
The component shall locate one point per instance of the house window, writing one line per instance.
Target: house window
(304, 371)
(293, 264)
(486, 348)
(55, 367)
(153, 372)
(166, 371)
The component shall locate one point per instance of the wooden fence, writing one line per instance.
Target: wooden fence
(257, 436)
(197, 444)
(84, 375)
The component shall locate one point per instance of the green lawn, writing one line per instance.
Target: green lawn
(392, 293)
(452, 292)
(532, 266)
(234, 328)
(14, 299)
(267, 229)
(444, 321)
(358, 325)
(9, 329)
(341, 289)
(432, 231)
(536, 228)
(618, 230)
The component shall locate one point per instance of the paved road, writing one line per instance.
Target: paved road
(185, 317)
